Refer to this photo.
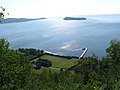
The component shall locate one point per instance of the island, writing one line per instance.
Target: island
(74, 18)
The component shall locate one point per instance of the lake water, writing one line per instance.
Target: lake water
(64, 37)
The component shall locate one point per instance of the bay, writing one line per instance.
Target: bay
(64, 37)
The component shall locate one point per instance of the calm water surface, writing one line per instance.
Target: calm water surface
(64, 37)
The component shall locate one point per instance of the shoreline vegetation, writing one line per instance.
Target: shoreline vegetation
(90, 73)
(38, 53)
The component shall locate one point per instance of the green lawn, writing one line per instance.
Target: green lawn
(59, 62)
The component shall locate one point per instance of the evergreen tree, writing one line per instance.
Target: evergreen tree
(14, 68)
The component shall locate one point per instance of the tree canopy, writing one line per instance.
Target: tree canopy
(90, 73)
(14, 68)
(2, 13)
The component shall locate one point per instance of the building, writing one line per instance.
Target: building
(41, 62)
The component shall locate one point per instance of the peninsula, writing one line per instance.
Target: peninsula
(14, 20)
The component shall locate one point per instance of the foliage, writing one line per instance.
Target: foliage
(2, 13)
(89, 74)
(4, 45)
(31, 52)
(114, 51)
(14, 68)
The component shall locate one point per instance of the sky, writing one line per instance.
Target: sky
(57, 8)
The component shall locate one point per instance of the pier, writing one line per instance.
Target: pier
(82, 55)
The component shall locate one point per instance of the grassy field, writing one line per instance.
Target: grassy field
(58, 62)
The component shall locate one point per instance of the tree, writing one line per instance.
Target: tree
(2, 13)
(14, 68)
(114, 51)
(42, 51)
(4, 46)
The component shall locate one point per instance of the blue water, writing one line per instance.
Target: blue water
(64, 37)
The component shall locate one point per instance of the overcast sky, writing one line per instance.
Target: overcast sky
(53, 8)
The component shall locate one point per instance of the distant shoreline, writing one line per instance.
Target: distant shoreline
(14, 20)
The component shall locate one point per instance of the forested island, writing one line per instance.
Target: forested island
(74, 18)
(90, 73)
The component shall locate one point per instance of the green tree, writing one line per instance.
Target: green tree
(2, 13)
(4, 46)
(114, 51)
(42, 51)
(14, 68)
(2, 10)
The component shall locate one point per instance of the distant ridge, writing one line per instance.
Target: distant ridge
(13, 20)
(74, 18)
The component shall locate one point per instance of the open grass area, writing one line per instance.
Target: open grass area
(58, 62)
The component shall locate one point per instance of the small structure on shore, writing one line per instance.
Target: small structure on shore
(82, 55)
(41, 62)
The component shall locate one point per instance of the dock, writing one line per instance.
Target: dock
(82, 55)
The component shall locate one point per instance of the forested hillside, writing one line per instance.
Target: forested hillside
(16, 72)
